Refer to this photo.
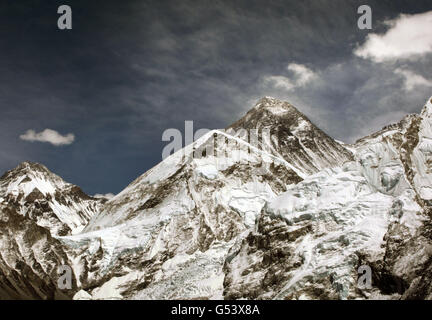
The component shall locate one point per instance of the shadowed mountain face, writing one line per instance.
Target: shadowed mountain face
(273, 209)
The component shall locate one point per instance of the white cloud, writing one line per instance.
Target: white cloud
(280, 82)
(302, 76)
(409, 36)
(303, 73)
(104, 196)
(413, 79)
(49, 136)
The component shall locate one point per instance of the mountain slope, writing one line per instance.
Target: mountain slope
(179, 220)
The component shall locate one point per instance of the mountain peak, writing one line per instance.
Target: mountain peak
(32, 170)
(45, 198)
(268, 112)
(31, 166)
(427, 110)
(275, 106)
(293, 137)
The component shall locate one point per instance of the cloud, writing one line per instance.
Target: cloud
(49, 136)
(412, 79)
(409, 36)
(302, 76)
(280, 82)
(104, 196)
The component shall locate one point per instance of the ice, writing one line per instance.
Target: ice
(209, 171)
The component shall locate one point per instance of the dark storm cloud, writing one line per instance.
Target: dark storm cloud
(129, 70)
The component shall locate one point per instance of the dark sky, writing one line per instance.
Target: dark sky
(128, 70)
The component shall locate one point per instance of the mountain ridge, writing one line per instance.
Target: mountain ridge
(289, 218)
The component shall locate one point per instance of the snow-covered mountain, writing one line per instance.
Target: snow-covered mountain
(45, 198)
(290, 217)
(172, 227)
(36, 206)
(310, 241)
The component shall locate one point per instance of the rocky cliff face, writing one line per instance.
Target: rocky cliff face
(291, 214)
